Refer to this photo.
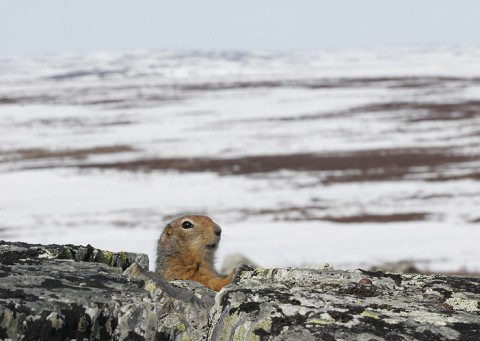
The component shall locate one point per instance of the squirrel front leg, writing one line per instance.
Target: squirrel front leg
(217, 282)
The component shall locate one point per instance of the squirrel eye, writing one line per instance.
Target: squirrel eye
(187, 225)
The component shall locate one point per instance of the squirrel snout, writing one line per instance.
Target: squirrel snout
(217, 230)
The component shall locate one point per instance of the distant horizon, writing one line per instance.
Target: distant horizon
(66, 26)
(247, 50)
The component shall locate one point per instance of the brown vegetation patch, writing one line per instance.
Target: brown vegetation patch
(469, 176)
(303, 213)
(82, 96)
(372, 165)
(309, 214)
(177, 92)
(378, 218)
(27, 99)
(418, 111)
(302, 210)
(7, 100)
(32, 154)
(428, 111)
(330, 83)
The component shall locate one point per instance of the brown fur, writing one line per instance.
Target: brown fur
(188, 253)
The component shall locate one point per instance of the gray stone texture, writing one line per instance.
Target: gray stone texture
(65, 292)
(320, 303)
(79, 293)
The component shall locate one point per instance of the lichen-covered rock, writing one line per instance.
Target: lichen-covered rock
(326, 304)
(13, 252)
(69, 292)
(46, 295)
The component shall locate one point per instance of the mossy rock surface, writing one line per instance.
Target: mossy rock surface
(320, 303)
(65, 292)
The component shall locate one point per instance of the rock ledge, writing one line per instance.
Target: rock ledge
(66, 292)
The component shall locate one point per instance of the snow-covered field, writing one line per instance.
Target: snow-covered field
(354, 157)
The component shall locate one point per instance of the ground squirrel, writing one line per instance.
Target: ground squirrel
(186, 250)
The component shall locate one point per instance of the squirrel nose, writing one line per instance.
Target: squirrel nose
(217, 230)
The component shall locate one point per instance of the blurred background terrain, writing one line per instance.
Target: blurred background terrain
(354, 156)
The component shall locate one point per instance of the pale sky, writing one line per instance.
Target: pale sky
(56, 26)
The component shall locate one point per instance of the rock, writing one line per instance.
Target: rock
(233, 260)
(404, 266)
(187, 291)
(325, 304)
(46, 295)
(12, 252)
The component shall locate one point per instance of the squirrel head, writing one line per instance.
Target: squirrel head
(199, 234)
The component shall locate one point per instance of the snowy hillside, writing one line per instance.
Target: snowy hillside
(354, 157)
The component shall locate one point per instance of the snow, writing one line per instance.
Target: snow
(46, 201)
(123, 212)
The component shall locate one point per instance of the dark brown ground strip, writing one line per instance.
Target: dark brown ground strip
(428, 111)
(164, 92)
(384, 175)
(396, 174)
(20, 99)
(378, 218)
(307, 212)
(330, 83)
(469, 176)
(377, 163)
(33, 154)
(295, 209)
(82, 98)
(313, 213)
(418, 111)
(75, 122)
